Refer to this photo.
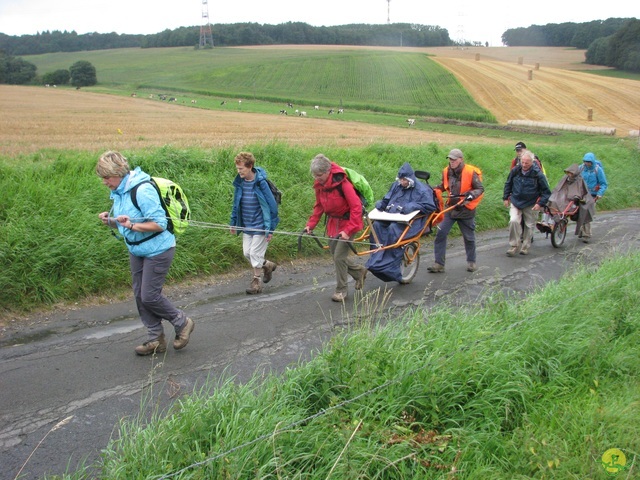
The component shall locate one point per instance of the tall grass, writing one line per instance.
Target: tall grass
(54, 249)
(539, 388)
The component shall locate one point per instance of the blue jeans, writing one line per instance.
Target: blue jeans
(467, 228)
(148, 275)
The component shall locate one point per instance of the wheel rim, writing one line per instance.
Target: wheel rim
(410, 262)
(559, 233)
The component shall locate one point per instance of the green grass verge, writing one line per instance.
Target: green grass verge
(539, 388)
(53, 248)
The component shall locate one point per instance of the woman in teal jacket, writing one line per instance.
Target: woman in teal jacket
(255, 215)
(593, 175)
(151, 249)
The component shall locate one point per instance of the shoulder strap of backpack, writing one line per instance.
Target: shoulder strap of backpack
(134, 194)
(134, 200)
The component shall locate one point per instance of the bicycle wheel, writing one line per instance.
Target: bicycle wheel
(559, 233)
(410, 262)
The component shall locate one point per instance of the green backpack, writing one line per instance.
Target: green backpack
(173, 201)
(363, 189)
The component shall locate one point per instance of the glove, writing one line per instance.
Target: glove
(468, 198)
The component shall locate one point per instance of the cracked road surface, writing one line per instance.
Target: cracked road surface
(81, 364)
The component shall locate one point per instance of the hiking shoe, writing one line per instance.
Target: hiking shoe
(360, 280)
(436, 268)
(182, 338)
(339, 296)
(471, 267)
(524, 251)
(512, 251)
(159, 345)
(267, 270)
(255, 287)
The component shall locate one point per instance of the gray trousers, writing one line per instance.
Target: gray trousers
(467, 228)
(345, 265)
(148, 275)
(517, 218)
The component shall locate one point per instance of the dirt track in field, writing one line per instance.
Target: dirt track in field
(36, 118)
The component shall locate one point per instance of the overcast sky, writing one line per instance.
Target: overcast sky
(482, 21)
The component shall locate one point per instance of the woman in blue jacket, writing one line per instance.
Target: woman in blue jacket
(593, 175)
(151, 249)
(255, 215)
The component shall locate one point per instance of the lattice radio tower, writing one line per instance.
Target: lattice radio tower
(389, 12)
(206, 38)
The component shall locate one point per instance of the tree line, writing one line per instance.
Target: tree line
(614, 42)
(17, 71)
(228, 35)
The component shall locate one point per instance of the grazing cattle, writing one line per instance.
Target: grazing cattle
(330, 111)
(290, 105)
(134, 95)
(46, 85)
(193, 101)
(162, 97)
(224, 102)
(302, 114)
(151, 95)
(341, 110)
(283, 112)
(239, 102)
(173, 99)
(317, 107)
(411, 121)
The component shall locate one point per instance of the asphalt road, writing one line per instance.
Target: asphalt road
(80, 363)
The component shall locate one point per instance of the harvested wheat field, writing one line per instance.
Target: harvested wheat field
(37, 118)
(522, 92)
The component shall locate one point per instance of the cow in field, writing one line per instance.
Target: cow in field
(283, 112)
(411, 121)
(330, 111)
(340, 110)
(302, 114)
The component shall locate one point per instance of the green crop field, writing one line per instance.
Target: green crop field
(380, 81)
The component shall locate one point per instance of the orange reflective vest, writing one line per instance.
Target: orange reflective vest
(466, 183)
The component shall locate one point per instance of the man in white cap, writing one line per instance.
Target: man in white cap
(462, 182)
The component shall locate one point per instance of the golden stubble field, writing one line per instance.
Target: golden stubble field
(35, 118)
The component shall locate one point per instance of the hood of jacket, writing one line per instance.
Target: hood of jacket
(407, 172)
